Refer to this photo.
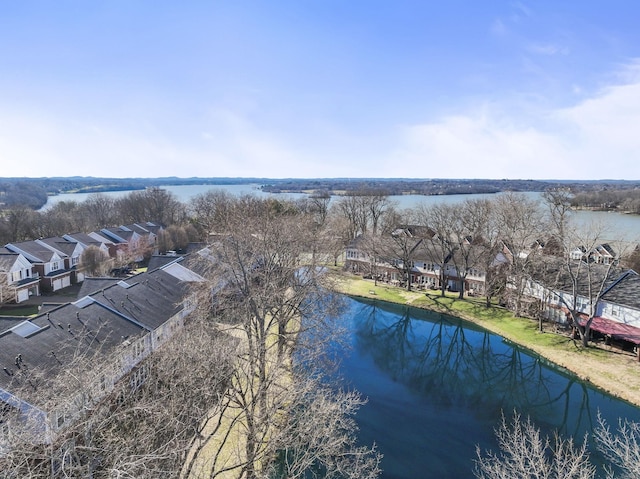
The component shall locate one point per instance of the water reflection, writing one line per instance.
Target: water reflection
(437, 385)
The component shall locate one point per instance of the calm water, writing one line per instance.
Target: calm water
(183, 193)
(615, 225)
(436, 387)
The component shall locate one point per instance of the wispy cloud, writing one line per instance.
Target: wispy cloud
(596, 138)
(498, 28)
(550, 49)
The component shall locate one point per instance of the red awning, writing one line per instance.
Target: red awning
(615, 329)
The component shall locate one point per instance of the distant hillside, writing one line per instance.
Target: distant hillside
(32, 192)
(435, 186)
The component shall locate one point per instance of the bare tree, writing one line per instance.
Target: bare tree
(378, 204)
(61, 218)
(440, 247)
(352, 208)
(164, 242)
(210, 212)
(99, 211)
(94, 261)
(20, 224)
(485, 250)
(578, 279)
(632, 259)
(558, 202)
(520, 226)
(337, 234)
(621, 448)
(275, 305)
(179, 237)
(318, 205)
(152, 204)
(525, 453)
(144, 428)
(401, 247)
(374, 248)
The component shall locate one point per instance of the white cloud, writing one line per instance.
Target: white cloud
(37, 144)
(594, 139)
(478, 146)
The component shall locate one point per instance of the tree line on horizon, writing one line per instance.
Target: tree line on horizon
(33, 192)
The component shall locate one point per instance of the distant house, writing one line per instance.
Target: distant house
(133, 241)
(429, 268)
(114, 248)
(147, 230)
(48, 263)
(601, 254)
(85, 240)
(17, 279)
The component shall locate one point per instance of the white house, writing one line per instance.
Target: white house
(18, 281)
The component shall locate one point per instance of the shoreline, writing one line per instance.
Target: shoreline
(610, 370)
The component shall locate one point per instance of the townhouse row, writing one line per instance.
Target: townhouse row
(109, 330)
(29, 268)
(614, 314)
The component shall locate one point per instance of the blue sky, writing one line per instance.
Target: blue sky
(540, 89)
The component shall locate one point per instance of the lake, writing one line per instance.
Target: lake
(617, 226)
(437, 386)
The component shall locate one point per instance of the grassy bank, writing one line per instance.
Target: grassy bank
(609, 369)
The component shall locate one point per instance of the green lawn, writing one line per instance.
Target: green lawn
(501, 321)
(19, 311)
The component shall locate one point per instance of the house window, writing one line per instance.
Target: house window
(55, 266)
(138, 349)
(138, 377)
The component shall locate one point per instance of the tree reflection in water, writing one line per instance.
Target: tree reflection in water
(443, 366)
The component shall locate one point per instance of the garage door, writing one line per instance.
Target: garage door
(66, 281)
(57, 284)
(23, 295)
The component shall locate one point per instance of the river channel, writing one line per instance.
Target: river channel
(437, 386)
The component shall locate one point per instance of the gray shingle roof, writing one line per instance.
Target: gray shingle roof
(42, 253)
(59, 337)
(625, 292)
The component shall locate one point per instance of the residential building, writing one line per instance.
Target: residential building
(47, 262)
(70, 251)
(18, 281)
(111, 328)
